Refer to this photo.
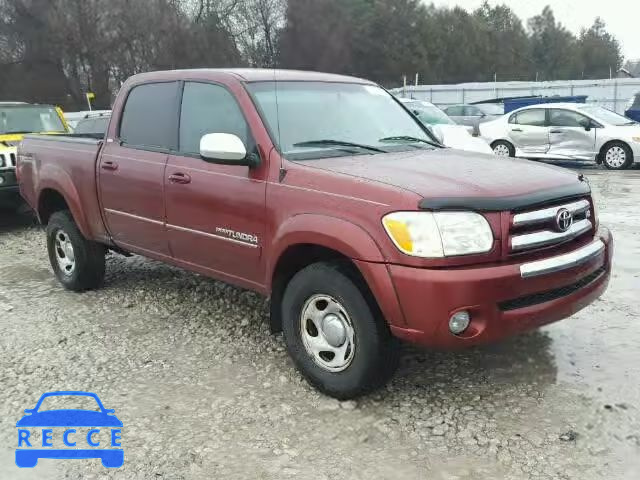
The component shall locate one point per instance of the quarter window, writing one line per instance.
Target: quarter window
(208, 108)
(149, 116)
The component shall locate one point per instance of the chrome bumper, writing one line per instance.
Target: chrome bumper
(562, 262)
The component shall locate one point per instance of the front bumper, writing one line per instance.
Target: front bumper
(503, 300)
(9, 189)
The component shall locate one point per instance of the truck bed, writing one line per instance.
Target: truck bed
(65, 163)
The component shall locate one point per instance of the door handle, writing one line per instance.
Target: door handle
(109, 165)
(179, 177)
(516, 129)
(556, 131)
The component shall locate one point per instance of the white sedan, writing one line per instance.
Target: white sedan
(446, 130)
(574, 131)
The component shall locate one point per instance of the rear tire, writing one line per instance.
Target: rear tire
(502, 148)
(78, 263)
(324, 312)
(617, 156)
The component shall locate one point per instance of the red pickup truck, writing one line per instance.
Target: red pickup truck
(325, 193)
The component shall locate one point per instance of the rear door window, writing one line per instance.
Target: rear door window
(149, 119)
(471, 111)
(208, 108)
(534, 118)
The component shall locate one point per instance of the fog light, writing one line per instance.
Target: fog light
(1, 180)
(459, 322)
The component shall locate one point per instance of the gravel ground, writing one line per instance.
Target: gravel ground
(204, 391)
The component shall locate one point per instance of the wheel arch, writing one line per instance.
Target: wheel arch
(307, 239)
(607, 144)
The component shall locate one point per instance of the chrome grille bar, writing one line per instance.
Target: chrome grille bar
(549, 237)
(538, 216)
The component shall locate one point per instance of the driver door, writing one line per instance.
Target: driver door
(529, 132)
(215, 213)
(571, 135)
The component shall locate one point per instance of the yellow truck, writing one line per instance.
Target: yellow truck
(16, 120)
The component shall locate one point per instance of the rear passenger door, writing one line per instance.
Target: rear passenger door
(131, 169)
(215, 213)
(529, 132)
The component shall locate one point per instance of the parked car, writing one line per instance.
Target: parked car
(474, 115)
(93, 124)
(9, 194)
(324, 193)
(446, 130)
(16, 119)
(73, 118)
(566, 131)
(633, 109)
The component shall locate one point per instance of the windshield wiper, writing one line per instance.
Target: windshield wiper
(17, 132)
(406, 138)
(338, 143)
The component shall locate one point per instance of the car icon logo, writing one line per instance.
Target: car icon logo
(87, 433)
(564, 220)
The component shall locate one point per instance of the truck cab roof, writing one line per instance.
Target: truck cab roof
(253, 75)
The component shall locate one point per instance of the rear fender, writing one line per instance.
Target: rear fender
(55, 178)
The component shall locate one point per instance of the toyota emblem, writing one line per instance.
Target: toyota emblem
(564, 220)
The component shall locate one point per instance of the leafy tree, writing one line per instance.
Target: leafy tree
(599, 51)
(554, 50)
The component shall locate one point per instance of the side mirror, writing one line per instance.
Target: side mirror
(225, 148)
(589, 126)
(29, 411)
(109, 411)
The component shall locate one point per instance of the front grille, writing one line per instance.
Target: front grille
(7, 160)
(549, 295)
(539, 228)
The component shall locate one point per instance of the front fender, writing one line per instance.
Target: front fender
(350, 240)
(55, 178)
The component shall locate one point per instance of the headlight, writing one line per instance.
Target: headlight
(439, 234)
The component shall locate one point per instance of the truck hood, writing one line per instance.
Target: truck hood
(447, 173)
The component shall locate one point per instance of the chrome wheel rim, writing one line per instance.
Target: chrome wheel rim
(327, 333)
(501, 150)
(65, 256)
(616, 156)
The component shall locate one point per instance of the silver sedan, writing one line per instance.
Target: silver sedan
(572, 131)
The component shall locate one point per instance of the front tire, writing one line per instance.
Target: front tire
(617, 156)
(78, 263)
(502, 148)
(336, 338)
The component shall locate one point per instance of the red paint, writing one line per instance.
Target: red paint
(169, 207)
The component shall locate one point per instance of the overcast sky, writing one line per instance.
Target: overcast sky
(621, 16)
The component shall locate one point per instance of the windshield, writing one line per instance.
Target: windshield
(491, 108)
(317, 119)
(429, 114)
(607, 116)
(69, 402)
(30, 119)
